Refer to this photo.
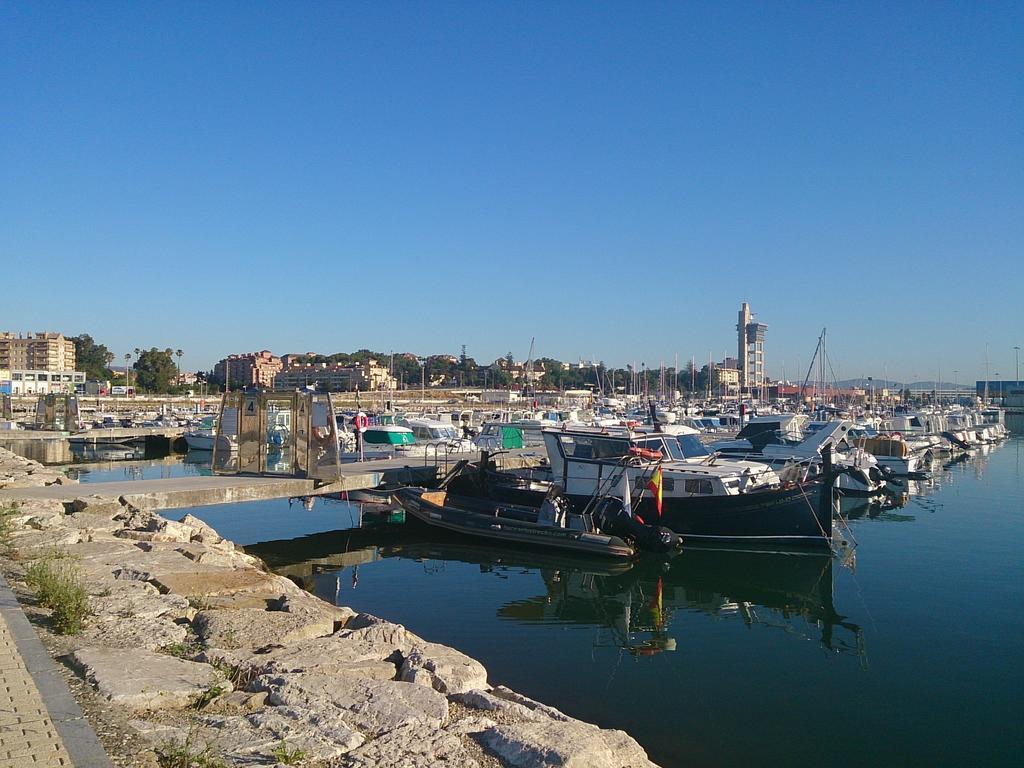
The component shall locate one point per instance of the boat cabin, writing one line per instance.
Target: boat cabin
(430, 430)
(585, 462)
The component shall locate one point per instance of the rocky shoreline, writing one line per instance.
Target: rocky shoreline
(193, 646)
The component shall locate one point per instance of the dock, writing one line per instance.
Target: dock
(197, 491)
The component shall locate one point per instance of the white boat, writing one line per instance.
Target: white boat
(788, 438)
(203, 437)
(437, 437)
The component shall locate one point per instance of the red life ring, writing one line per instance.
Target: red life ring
(360, 421)
(645, 453)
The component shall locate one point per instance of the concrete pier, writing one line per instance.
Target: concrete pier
(182, 492)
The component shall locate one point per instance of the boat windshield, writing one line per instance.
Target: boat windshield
(690, 446)
(443, 433)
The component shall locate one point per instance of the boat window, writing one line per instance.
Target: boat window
(610, 449)
(915, 422)
(652, 445)
(668, 448)
(691, 446)
(698, 486)
(586, 447)
(756, 428)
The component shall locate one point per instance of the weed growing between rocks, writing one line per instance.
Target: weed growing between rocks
(7, 513)
(240, 675)
(187, 650)
(199, 602)
(58, 586)
(203, 700)
(287, 756)
(176, 754)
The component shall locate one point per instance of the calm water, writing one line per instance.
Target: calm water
(724, 658)
(101, 470)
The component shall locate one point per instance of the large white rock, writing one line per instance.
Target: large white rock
(420, 746)
(374, 706)
(32, 543)
(136, 632)
(572, 744)
(143, 680)
(444, 669)
(381, 634)
(137, 599)
(335, 656)
(259, 734)
(253, 628)
(194, 580)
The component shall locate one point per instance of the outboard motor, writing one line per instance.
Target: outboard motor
(610, 516)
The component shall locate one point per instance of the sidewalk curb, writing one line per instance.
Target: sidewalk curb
(79, 738)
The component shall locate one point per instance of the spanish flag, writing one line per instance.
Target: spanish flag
(654, 486)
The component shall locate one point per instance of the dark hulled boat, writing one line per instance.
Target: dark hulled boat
(509, 523)
(705, 499)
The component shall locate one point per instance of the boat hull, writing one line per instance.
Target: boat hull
(776, 519)
(496, 528)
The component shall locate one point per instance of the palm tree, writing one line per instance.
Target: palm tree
(179, 353)
(127, 357)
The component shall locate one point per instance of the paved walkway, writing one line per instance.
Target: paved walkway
(41, 725)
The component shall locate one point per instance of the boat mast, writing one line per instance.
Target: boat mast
(810, 368)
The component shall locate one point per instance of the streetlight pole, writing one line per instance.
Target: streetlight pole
(956, 389)
(423, 381)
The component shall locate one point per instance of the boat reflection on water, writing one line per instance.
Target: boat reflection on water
(904, 496)
(631, 604)
(636, 607)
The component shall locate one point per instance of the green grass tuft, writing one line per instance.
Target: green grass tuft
(58, 586)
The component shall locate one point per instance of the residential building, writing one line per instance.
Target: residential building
(21, 381)
(44, 351)
(750, 347)
(295, 358)
(726, 381)
(370, 376)
(255, 369)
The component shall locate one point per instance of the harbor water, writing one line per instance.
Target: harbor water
(906, 654)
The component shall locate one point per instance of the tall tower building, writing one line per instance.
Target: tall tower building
(750, 349)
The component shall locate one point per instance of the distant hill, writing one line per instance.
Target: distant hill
(914, 385)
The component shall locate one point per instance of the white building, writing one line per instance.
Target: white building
(36, 382)
(750, 346)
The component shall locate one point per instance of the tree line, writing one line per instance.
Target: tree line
(154, 370)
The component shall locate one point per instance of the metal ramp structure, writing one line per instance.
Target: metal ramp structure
(57, 413)
(284, 434)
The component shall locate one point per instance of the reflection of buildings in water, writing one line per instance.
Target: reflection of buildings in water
(632, 606)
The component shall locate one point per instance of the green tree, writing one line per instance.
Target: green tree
(155, 371)
(93, 358)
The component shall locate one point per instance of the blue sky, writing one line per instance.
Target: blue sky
(612, 178)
